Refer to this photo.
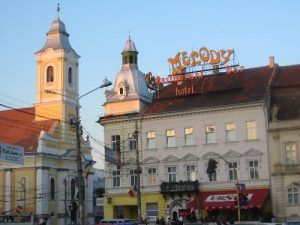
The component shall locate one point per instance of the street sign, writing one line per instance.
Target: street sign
(11, 153)
(240, 186)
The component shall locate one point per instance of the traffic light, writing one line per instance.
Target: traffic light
(211, 167)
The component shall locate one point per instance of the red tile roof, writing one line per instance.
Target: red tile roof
(18, 127)
(286, 92)
(213, 91)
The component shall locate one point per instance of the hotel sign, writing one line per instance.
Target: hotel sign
(205, 56)
(11, 154)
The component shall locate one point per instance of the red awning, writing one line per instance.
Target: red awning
(226, 199)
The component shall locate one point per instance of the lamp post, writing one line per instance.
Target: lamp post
(77, 125)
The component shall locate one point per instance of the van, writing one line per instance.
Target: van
(117, 222)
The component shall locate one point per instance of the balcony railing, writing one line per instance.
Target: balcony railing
(179, 187)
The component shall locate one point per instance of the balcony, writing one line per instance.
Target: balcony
(179, 187)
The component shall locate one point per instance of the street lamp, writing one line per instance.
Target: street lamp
(76, 123)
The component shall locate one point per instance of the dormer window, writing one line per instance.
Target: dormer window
(50, 74)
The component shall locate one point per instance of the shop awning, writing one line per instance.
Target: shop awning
(226, 199)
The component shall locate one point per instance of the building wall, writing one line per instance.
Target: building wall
(283, 175)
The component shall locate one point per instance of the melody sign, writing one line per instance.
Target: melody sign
(11, 154)
(182, 60)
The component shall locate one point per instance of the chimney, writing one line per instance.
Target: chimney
(271, 62)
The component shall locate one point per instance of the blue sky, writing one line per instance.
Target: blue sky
(98, 29)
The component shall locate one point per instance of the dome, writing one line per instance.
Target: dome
(58, 27)
(129, 46)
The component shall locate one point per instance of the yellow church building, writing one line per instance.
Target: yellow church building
(46, 185)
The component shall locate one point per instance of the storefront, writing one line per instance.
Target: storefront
(216, 204)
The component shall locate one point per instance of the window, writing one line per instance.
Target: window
(172, 174)
(232, 169)
(290, 153)
(293, 194)
(230, 132)
(52, 189)
(152, 175)
(131, 59)
(50, 74)
(115, 141)
(189, 136)
(152, 212)
(212, 177)
(116, 178)
(70, 75)
(210, 134)
(22, 191)
(132, 177)
(121, 91)
(251, 130)
(171, 140)
(132, 142)
(191, 172)
(253, 166)
(151, 140)
(73, 189)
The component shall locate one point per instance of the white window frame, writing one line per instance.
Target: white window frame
(152, 176)
(293, 194)
(230, 130)
(293, 158)
(151, 140)
(253, 169)
(251, 128)
(116, 178)
(132, 177)
(115, 142)
(132, 142)
(191, 172)
(232, 170)
(171, 138)
(189, 136)
(210, 134)
(171, 173)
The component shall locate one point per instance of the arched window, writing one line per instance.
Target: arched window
(70, 75)
(293, 194)
(50, 74)
(52, 189)
(125, 60)
(131, 59)
(121, 91)
(72, 189)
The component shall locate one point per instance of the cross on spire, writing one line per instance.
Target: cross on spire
(57, 9)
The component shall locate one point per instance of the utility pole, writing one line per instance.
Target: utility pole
(138, 178)
(65, 200)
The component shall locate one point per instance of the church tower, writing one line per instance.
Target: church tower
(130, 93)
(57, 72)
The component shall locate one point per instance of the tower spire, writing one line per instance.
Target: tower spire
(58, 9)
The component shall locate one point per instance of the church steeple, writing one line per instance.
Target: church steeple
(57, 70)
(130, 93)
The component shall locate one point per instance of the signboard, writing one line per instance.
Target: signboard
(112, 156)
(99, 201)
(240, 186)
(225, 197)
(11, 154)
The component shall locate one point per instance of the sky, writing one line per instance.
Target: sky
(98, 30)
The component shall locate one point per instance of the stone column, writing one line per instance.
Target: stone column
(7, 190)
(42, 193)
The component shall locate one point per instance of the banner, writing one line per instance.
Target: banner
(112, 156)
